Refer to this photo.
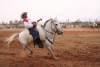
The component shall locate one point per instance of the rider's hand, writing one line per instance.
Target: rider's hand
(35, 24)
(40, 19)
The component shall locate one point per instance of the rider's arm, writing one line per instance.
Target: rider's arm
(27, 24)
(39, 20)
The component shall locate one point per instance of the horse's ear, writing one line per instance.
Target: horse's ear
(55, 18)
(50, 18)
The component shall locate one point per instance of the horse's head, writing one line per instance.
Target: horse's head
(56, 26)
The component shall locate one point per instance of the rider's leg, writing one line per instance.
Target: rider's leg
(39, 42)
(36, 37)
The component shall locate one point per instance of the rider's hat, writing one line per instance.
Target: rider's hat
(23, 14)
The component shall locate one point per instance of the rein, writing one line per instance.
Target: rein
(50, 32)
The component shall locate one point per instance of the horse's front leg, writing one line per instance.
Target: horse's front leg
(52, 48)
(49, 49)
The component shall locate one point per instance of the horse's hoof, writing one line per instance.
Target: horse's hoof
(29, 55)
(49, 53)
(31, 52)
(56, 58)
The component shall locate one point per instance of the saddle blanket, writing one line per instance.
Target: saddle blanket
(38, 32)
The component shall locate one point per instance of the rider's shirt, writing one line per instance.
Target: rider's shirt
(28, 23)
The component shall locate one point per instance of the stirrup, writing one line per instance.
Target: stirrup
(41, 46)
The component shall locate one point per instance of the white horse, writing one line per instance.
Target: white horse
(50, 27)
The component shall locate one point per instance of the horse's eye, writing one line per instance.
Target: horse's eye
(56, 24)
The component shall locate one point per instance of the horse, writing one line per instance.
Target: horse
(8, 27)
(51, 27)
(92, 26)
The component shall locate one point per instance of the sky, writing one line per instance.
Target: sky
(62, 9)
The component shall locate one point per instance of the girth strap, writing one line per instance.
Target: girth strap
(49, 40)
(33, 35)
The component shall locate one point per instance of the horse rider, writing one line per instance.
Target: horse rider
(31, 25)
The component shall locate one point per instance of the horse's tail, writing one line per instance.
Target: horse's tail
(8, 40)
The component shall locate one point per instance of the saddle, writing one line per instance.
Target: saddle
(42, 34)
(29, 38)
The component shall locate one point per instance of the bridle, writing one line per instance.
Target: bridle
(54, 26)
(51, 27)
(54, 32)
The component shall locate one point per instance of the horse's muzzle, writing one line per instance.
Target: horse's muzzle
(60, 32)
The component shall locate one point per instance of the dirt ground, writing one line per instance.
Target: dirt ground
(77, 47)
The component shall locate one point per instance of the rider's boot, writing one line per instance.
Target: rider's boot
(40, 45)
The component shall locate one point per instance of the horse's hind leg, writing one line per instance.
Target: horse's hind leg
(24, 47)
(30, 50)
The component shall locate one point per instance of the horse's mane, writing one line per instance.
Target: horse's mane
(46, 22)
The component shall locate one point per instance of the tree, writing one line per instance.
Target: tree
(20, 22)
(96, 21)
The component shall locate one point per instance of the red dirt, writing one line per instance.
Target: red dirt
(75, 48)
